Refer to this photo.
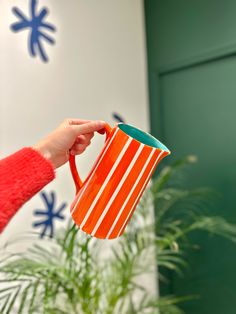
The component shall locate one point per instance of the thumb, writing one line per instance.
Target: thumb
(89, 127)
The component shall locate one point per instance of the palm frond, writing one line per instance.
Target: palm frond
(66, 274)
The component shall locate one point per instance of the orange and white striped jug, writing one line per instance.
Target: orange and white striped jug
(106, 200)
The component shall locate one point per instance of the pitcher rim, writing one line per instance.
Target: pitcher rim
(159, 144)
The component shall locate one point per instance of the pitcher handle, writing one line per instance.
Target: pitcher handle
(77, 180)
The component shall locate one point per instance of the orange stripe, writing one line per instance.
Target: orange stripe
(133, 198)
(111, 186)
(99, 177)
(107, 142)
(131, 213)
(123, 194)
(101, 153)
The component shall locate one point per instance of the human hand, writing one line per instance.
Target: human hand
(72, 136)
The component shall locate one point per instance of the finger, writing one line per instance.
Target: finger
(88, 127)
(77, 121)
(76, 152)
(67, 122)
(84, 139)
(78, 149)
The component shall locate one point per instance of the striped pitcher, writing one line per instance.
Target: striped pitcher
(106, 200)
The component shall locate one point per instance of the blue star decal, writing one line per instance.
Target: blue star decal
(36, 23)
(49, 214)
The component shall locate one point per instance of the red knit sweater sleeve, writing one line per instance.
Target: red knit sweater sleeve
(22, 175)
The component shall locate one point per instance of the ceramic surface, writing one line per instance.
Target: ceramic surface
(106, 200)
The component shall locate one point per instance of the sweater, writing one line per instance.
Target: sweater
(22, 175)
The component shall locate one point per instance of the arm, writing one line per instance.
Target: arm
(27, 171)
(22, 175)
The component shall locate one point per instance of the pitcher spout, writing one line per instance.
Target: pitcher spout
(143, 137)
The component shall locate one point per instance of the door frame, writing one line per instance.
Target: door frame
(156, 74)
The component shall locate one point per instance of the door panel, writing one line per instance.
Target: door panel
(182, 29)
(192, 83)
(199, 111)
(199, 107)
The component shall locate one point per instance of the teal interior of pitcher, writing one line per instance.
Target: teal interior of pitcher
(141, 136)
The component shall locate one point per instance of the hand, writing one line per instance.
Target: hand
(71, 137)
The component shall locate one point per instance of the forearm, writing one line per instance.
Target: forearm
(22, 175)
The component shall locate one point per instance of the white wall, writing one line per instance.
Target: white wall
(97, 66)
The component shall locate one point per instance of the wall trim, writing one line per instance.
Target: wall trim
(156, 75)
(212, 55)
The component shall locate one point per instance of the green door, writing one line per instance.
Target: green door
(192, 80)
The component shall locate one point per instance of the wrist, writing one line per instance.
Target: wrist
(42, 150)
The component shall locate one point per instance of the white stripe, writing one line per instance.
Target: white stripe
(117, 190)
(139, 194)
(100, 159)
(106, 181)
(130, 194)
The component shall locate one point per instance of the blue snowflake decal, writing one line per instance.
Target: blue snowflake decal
(36, 23)
(118, 117)
(49, 214)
